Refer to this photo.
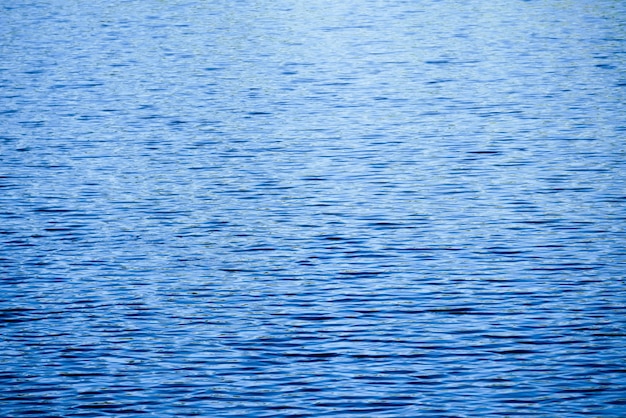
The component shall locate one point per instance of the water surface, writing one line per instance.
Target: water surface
(305, 209)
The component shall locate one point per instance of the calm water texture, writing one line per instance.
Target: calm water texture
(313, 208)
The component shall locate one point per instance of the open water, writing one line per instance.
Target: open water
(321, 208)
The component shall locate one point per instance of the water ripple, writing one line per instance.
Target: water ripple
(305, 210)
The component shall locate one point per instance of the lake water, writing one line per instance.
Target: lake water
(359, 208)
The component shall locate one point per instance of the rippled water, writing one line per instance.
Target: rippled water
(313, 208)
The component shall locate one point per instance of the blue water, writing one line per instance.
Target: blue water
(359, 208)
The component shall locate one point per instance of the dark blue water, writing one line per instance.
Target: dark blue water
(313, 208)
